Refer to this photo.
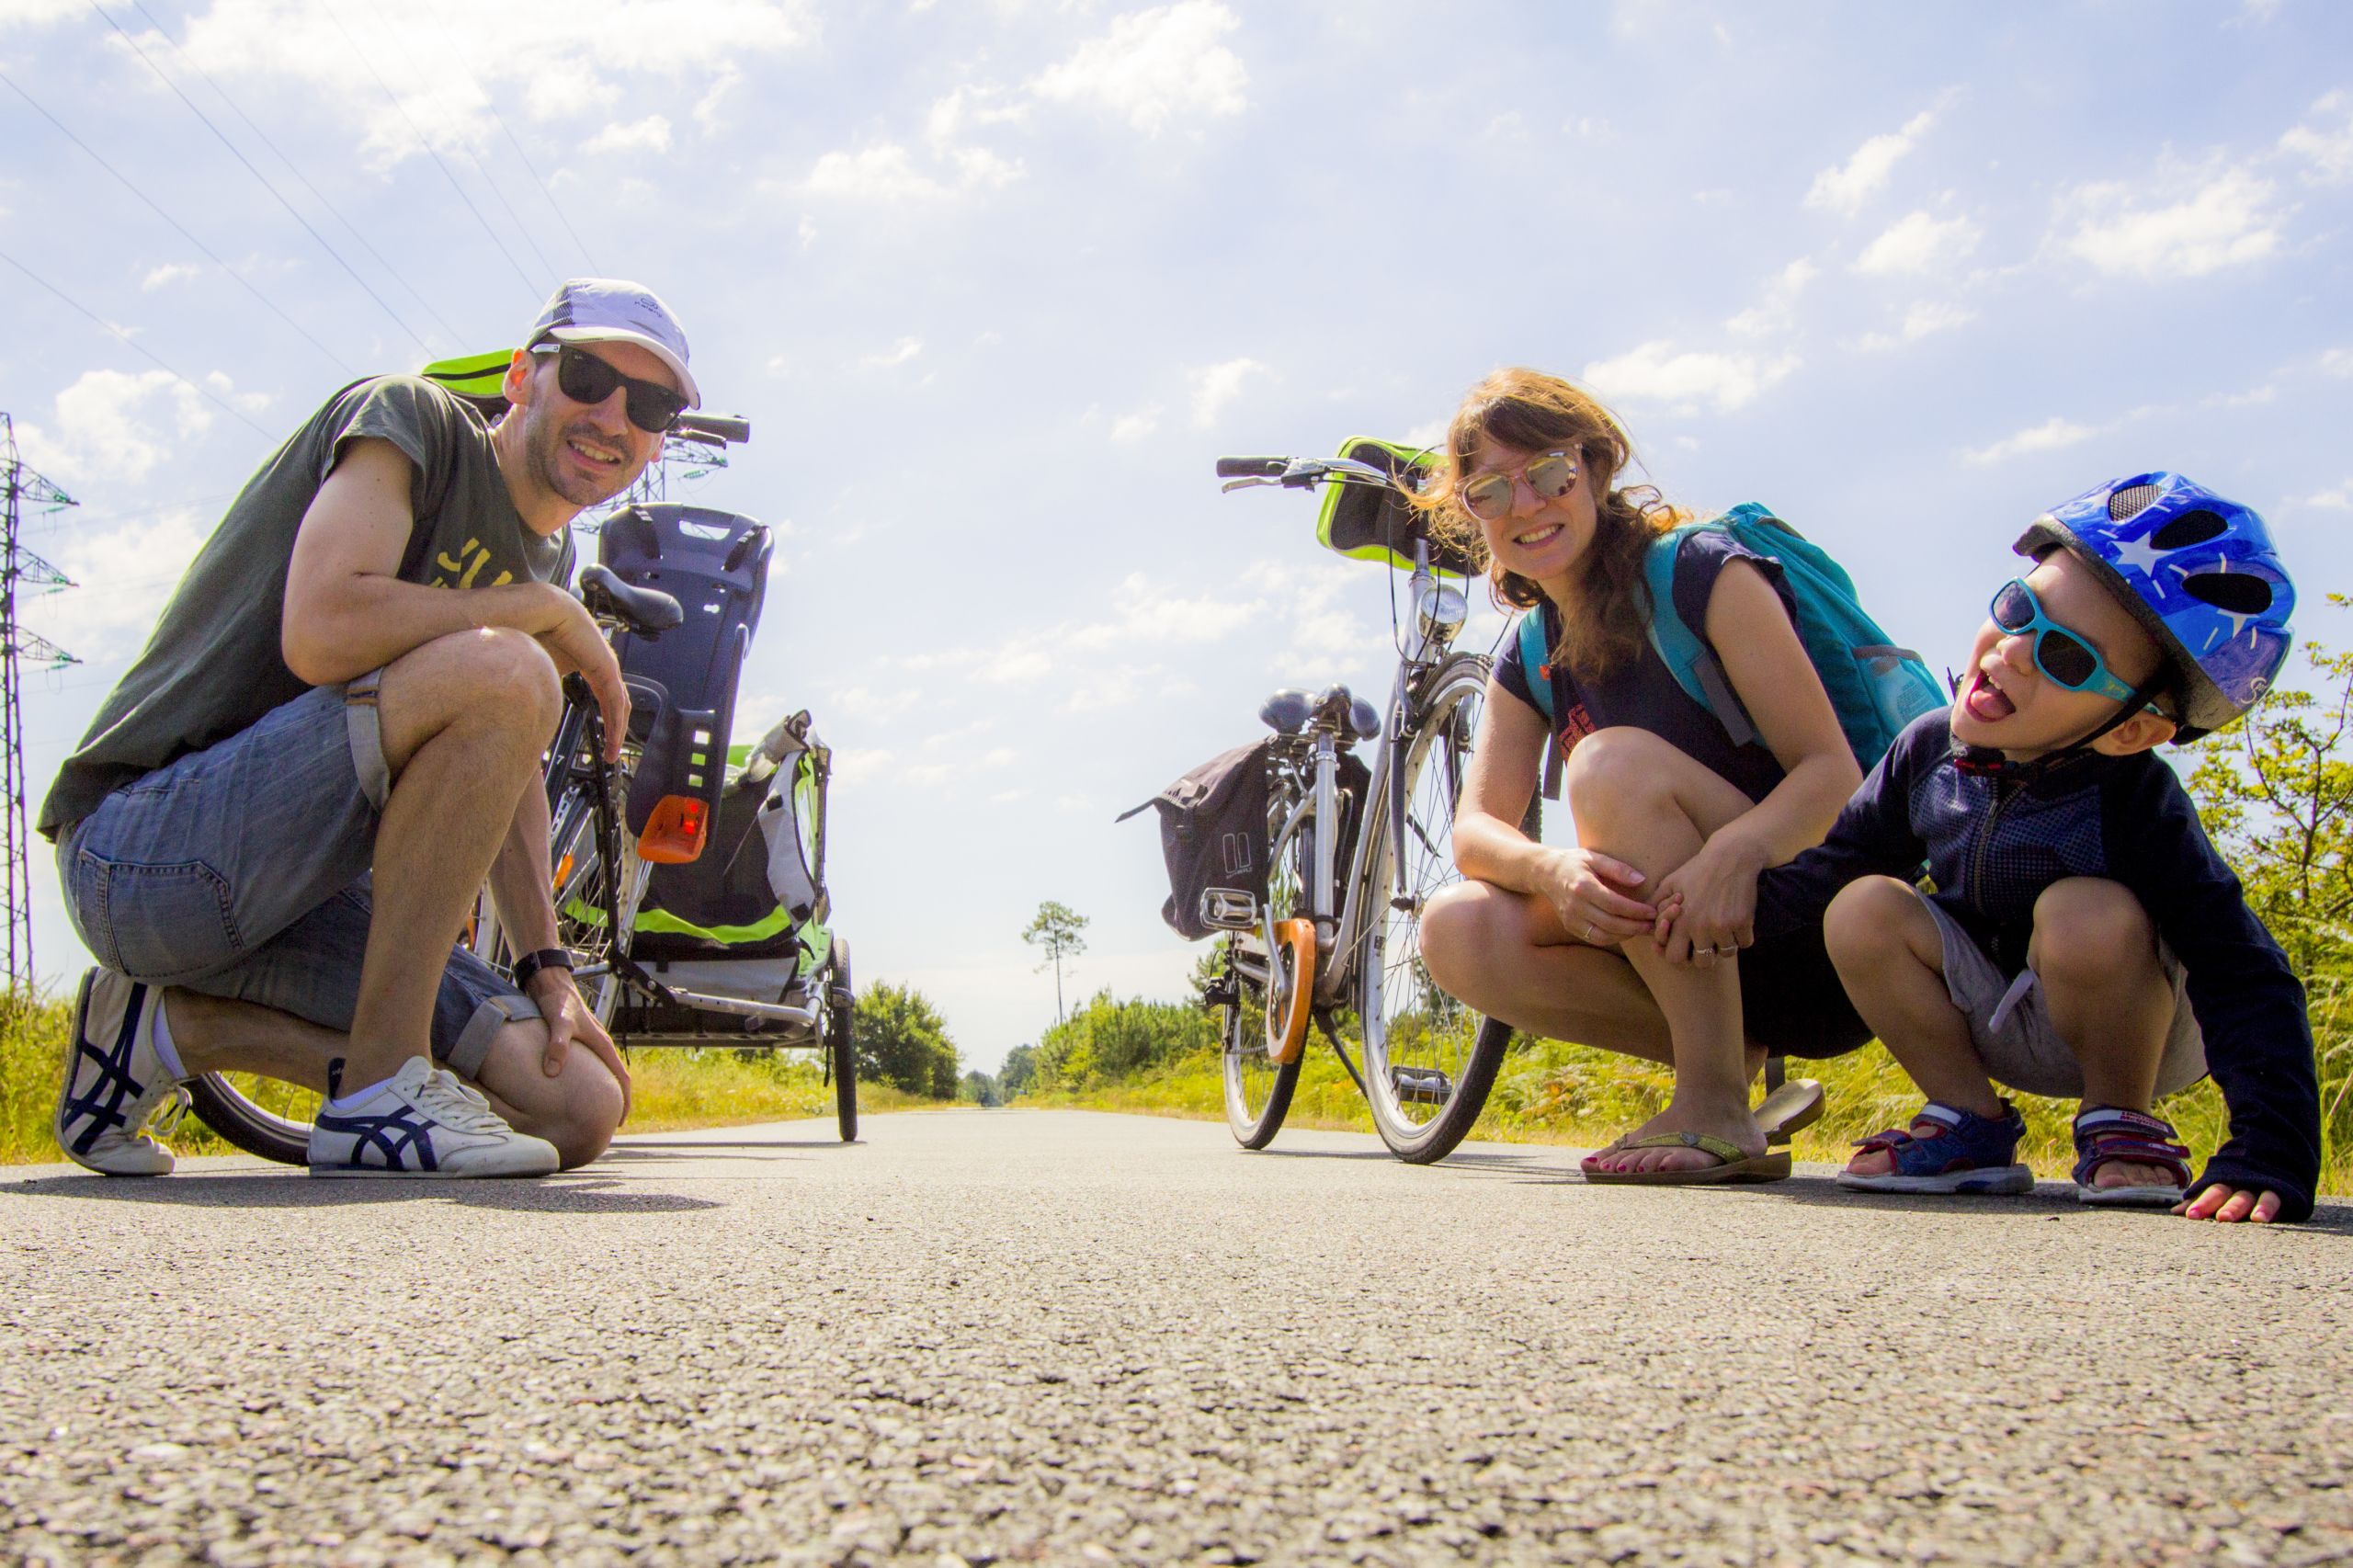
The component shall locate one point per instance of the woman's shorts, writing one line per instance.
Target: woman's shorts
(2009, 1022)
(1792, 1001)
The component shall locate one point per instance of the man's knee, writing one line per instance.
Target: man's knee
(492, 675)
(2089, 931)
(578, 1110)
(1868, 919)
(591, 1111)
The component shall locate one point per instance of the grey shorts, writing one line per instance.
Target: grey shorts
(241, 871)
(2009, 1022)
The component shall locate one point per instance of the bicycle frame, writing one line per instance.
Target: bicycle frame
(1439, 614)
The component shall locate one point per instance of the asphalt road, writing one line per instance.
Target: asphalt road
(1028, 1335)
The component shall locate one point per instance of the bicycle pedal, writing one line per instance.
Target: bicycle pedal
(1406, 905)
(1229, 909)
(1421, 1086)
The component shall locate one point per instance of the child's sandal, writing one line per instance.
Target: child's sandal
(2107, 1133)
(1971, 1154)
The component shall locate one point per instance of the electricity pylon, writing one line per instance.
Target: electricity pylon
(20, 569)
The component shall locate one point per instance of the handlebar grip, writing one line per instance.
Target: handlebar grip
(726, 426)
(1251, 468)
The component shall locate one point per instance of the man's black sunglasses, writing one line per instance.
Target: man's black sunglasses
(585, 379)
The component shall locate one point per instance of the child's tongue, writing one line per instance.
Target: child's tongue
(1986, 703)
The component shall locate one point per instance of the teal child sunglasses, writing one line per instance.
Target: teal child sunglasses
(2064, 655)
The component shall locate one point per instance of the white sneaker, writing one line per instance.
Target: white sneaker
(422, 1122)
(114, 1079)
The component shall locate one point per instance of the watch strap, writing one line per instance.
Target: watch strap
(529, 964)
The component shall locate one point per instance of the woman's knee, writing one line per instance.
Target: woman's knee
(2091, 931)
(1454, 928)
(1870, 918)
(1612, 768)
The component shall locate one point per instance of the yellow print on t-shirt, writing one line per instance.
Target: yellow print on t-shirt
(460, 573)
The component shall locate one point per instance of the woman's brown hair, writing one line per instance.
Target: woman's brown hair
(1526, 410)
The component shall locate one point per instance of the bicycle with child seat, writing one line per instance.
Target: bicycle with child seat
(1354, 854)
(613, 824)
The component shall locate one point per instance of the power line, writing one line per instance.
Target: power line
(150, 64)
(423, 142)
(524, 159)
(295, 169)
(240, 279)
(204, 392)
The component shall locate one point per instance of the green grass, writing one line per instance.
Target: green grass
(673, 1089)
(1575, 1094)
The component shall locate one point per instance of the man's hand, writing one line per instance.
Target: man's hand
(577, 646)
(2230, 1205)
(569, 1019)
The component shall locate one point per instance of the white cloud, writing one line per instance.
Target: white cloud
(650, 134)
(555, 59)
(1218, 386)
(1923, 320)
(170, 272)
(2337, 362)
(887, 172)
(2051, 435)
(1156, 67)
(1148, 616)
(1845, 188)
(2191, 223)
(2337, 500)
(125, 575)
(899, 353)
(1775, 312)
(105, 423)
(1658, 372)
(722, 85)
(1918, 241)
(37, 13)
(1135, 426)
(880, 172)
(2329, 148)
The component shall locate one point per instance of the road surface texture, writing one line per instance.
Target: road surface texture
(1058, 1336)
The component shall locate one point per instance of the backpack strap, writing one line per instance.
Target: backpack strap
(1535, 662)
(1684, 650)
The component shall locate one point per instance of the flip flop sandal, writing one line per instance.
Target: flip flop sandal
(2107, 1133)
(1968, 1153)
(1796, 1105)
(1733, 1164)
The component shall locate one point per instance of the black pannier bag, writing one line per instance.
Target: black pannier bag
(1213, 834)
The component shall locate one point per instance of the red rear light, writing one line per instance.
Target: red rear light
(673, 834)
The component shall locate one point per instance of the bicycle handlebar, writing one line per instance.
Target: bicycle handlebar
(723, 428)
(1251, 468)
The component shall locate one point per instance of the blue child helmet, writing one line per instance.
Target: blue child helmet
(2199, 572)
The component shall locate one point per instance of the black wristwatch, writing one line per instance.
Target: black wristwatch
(531, 964)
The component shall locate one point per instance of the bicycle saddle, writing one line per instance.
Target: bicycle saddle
(1364, 720)
(643, 611)
(1286, 710)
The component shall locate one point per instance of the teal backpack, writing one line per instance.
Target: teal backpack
(1876, 688)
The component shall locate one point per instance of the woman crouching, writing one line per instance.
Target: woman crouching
(1639, 940)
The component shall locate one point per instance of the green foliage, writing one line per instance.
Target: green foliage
(901, 1039)
(1020, 1067)
(2276, 796)
(979, 1088)
(1107, 1039)
(1058, 932)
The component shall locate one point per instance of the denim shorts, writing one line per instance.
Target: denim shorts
(241, 872)
(2009, 1021)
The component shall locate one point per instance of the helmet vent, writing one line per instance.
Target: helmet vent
(2129, 500)
(2190, 528)
(2238, 593)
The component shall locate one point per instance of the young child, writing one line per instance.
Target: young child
(2083, 939)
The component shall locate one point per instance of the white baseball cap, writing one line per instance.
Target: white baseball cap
(608, 310)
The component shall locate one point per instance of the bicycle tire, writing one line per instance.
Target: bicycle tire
(1257, 1091)
(223, 1107)
(1428, 1080)
(841, 1050)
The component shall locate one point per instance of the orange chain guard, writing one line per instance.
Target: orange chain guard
(1287, 1035)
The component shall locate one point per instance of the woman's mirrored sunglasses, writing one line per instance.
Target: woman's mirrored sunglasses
(2060, 654)
(1487, 497)
(585, 379)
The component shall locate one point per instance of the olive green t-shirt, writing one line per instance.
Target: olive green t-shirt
(214, 664)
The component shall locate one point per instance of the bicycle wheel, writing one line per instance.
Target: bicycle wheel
(1429, 1061)
(237, 1113)
(1258, 1090)
(841, 1051)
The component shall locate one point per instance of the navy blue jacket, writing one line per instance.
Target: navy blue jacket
(1992, 844)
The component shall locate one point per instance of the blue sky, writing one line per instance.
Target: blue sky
(996, 280)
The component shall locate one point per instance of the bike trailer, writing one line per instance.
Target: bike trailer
(746, 918)
(1213, 835)
(682, 682)
(1366, 523)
